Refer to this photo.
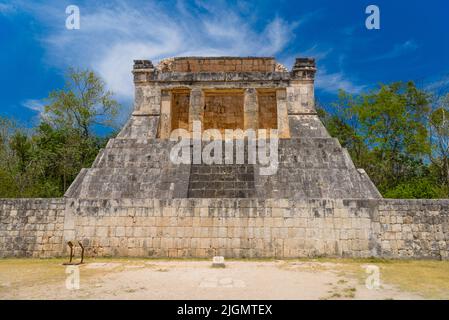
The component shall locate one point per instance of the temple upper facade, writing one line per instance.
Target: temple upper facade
(224, 93)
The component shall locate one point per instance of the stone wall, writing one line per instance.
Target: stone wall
(221, 64)
(31, 227)
(180, 111)
(129, 168)
(268, 118)
(412, 228)
(234, 228)
(223, 110)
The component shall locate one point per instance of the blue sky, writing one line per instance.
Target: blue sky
(36, 48)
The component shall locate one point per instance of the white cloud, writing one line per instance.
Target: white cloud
(34, 104)
(278, 33)
(316, 52)
(111, 37)
(439, 86)
(332, 82)
(397, 51)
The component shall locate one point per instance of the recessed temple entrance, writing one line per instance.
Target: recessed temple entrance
(268, 118)
(223, 109)
(180, 103)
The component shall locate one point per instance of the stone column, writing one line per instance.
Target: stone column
(250, 109)
(196, 107)
(166, 116)
(282, 114)
(147, 95)
(300, 93)
(147, 100)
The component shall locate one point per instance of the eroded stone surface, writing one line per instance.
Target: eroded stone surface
(134, 201)
(223, 93)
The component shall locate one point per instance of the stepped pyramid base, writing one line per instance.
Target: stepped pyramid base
(135, 201)
(313, 165)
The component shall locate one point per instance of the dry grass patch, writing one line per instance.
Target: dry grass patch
(25, 272)
(429, 278)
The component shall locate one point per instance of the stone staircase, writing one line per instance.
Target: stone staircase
(221, 181)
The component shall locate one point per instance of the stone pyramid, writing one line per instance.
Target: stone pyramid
(223, 93)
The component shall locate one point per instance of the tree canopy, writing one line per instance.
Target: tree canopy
(399, 135)
(44, 161)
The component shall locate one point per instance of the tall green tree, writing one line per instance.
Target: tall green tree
(44, 162)
(19, 170)
(439, 139)
(82, 104)
(386, 133)
(66, 134)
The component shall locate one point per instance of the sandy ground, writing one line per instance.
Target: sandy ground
(146, 279)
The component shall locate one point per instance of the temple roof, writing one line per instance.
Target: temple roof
(220, 64)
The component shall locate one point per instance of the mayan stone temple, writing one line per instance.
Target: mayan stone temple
(136, 201)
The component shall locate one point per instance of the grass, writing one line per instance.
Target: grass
(429, 278)
(349, 292)
(29, 273)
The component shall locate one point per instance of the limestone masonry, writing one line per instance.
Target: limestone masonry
(134, 201)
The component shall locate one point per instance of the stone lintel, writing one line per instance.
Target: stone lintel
(218, 64)
(151, 76)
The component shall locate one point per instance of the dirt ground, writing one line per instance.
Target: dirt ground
(189, 279)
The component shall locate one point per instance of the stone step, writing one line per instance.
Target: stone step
(221, 181)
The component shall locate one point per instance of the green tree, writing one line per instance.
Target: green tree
(45, 161)
(66, 137)
(18, 168)
(415, 188)
(439, 139)
(386, 133)
(82, 104)
(341, 125)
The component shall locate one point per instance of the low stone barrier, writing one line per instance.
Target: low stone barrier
(234, 228)
(31, 227)
(412, 228)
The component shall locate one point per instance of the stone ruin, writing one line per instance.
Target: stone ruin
(135, 201)
(223, 93)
